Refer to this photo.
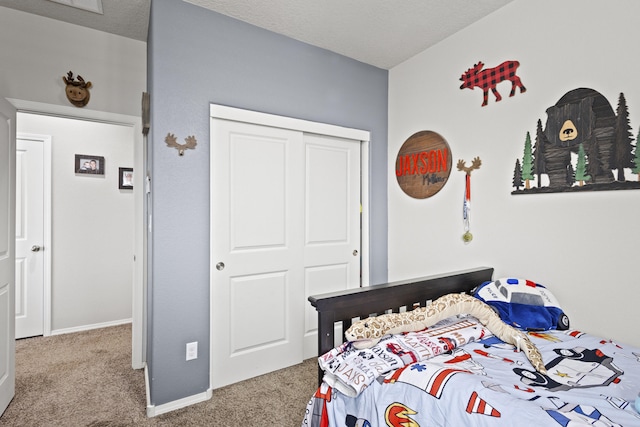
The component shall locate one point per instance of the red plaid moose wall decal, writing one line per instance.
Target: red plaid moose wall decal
(490, 77)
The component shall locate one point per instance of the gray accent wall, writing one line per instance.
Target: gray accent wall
(197, 57)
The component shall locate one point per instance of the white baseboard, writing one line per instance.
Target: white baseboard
(89, 327)
(153, 410)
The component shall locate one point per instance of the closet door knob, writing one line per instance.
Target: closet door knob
(220, 266)
(35, 248)
(355, 252)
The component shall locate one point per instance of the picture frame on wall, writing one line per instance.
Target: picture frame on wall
(125, 178)
(88, 164)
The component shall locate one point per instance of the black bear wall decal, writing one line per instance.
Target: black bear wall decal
(583, 142)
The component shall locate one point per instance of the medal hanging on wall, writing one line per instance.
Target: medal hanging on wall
(467, 237)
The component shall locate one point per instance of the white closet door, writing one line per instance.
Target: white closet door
(257, 251)
(332, 223)
(285, 224)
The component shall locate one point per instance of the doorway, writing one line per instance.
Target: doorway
(123, 207)
(92, 243)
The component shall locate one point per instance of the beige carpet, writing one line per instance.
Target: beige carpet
(86, 379)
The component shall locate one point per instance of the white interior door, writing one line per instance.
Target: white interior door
(332, 223)
(257, 256)
(29, 274)
(7, 253)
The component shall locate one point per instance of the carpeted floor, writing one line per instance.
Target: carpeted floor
(86, 379)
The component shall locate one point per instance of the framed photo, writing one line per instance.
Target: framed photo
(125, 180)
(86, 164)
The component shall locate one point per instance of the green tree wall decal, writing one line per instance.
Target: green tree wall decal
(636, 158)
(581, 167)
(527, 162)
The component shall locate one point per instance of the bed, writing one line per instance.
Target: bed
(472, 379)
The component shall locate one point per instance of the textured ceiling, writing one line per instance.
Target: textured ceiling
(382, 33)
(127, 18)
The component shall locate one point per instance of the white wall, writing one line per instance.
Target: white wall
(582, 246)
(92, 222)
(37, 52)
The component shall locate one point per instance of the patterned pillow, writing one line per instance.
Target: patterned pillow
(523, 304)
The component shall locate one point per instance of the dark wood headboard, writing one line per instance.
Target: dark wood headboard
(344, 306)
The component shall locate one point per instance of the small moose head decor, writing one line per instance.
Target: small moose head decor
(172, 141)
(77, 90)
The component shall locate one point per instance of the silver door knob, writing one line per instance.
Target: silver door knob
(35, 248)
(355, 252)
(220, 266)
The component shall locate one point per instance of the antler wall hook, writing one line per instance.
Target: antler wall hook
(475, 164)
(172, 141)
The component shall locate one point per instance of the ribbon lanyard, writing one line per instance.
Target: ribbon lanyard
(466, 204)
(466, 207)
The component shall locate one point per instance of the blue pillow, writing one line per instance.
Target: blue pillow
(523, 304)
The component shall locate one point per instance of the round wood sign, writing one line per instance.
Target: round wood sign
(423, 164)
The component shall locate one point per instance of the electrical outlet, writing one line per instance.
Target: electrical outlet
(192, 350)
